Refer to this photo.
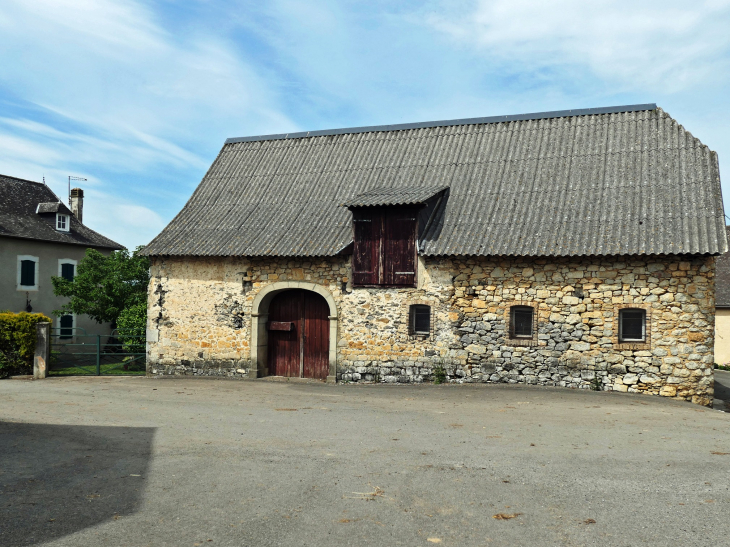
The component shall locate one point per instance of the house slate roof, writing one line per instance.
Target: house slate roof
(624, 180)
(722, 278)
(414, 195)
(53, 207)
(27, 211)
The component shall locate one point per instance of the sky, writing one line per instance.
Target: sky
(139, 97)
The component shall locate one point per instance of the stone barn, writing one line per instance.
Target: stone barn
(573, 248)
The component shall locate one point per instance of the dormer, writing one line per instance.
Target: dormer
(386, 226)
(56, 212)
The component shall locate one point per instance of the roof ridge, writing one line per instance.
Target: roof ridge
(447, 123)
(22, 180)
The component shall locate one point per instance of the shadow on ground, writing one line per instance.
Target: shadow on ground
(722, 391)
(58, 479)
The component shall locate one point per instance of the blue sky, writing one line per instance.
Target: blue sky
(138, 97)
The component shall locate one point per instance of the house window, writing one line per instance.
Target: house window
(384, 251)
(521, 318)
(420, 319)
(62, 222)
(632, 325)
(67, 268)
(27, 273)
(66, 323)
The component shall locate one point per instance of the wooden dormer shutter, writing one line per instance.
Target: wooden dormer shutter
(367, 226)
(399, 246)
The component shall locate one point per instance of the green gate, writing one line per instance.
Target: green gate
(75, 352)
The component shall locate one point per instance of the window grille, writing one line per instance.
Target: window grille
(632, 325)
(62, 223)
(521, 318)
(420, 320)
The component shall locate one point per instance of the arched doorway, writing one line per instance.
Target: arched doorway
(298, 329)
(260, 324)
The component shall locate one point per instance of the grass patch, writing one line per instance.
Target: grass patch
(116, 369)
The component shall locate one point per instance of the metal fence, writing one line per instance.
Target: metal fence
(75, 352)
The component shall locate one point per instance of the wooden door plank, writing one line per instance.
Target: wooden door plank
(284, 345)
(316, 343)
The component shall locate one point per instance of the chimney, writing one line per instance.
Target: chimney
(77, 203)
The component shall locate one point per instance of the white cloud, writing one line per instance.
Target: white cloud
(101, 89)
(652, 45)
(124, 222)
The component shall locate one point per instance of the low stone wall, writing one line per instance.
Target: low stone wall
(200, 309)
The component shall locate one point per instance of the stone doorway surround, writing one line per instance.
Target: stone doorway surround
(260, 315)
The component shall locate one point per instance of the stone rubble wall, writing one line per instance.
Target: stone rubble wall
(200, 309)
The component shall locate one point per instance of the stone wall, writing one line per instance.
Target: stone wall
(200, 311)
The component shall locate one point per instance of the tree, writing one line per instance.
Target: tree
(131, 327)
(104, 286)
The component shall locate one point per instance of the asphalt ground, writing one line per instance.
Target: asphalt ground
(137, 461)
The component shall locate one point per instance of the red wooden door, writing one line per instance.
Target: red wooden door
(303, 349)
(367, 225)
(284, 346)
(399, 247)
(316, 336)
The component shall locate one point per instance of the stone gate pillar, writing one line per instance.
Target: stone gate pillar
(42, 356)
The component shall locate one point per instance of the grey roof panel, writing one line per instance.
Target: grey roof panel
(400, 195)
(447, 123)
(625, 180)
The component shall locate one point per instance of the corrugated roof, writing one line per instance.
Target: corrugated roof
(414, 195)
(722, 278)
(620, 181)
(21, 216)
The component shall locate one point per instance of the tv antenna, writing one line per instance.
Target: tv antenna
(70, 178)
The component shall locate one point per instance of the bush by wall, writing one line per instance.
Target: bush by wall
(17, 341)
(131, 325)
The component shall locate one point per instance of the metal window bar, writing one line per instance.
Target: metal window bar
(632, 325)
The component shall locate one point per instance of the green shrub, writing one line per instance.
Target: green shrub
(17, 341)
(439, 374)
(131, 324)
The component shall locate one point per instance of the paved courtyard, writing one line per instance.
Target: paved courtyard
(137, 461)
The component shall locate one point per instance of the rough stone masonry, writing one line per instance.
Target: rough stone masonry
(200, 320)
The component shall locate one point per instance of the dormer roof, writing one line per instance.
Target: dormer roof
(52, 207)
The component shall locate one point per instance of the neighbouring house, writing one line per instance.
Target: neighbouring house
(572, 248)
(40, 237)
(722, 308)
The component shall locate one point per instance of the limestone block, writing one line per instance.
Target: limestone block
(630, 379)
(580, 346)
(477, 349)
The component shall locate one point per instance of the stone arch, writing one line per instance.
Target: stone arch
(259, 317)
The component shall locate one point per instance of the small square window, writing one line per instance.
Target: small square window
(420, 320)
(632, 325)
(62, 223)
(521, 321)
